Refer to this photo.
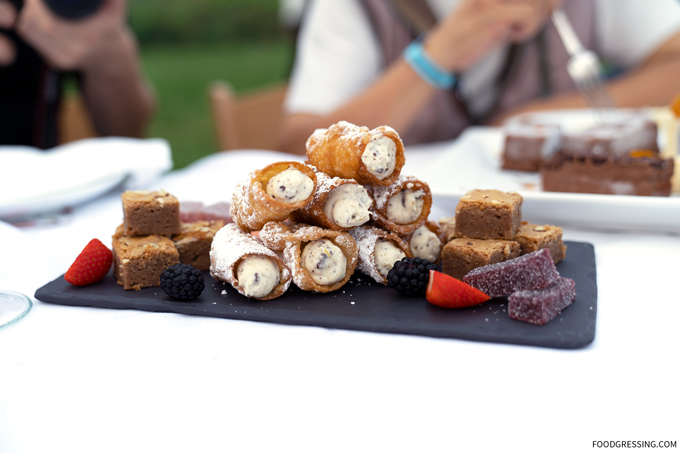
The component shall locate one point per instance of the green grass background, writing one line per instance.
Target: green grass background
(185, 45)
(181, 76)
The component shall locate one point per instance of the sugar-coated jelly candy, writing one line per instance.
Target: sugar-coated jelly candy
(538, 306)
(531, 271)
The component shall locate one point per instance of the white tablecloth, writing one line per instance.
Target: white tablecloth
(98, 380)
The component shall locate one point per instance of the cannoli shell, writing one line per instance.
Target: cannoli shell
(337, 151)
(313, 213)
(381, 195)
(230, 245)
(251, 207)
(288, 240)
(366, 238)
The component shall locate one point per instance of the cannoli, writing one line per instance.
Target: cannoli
(403, 206)
(378, 251)
(345, 150)
(338, 204)
(320, 260)
(271, 194)
(426, 241)
(241, 260)
(448, 227)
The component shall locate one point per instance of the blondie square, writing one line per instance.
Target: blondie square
(138, 261)
(488, 214)
(194, 241)
(532, 237)
(461, 255)
(147, 212)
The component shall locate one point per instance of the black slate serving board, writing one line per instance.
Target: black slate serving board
(363, 304)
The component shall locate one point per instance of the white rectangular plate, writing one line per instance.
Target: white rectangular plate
(473, 162)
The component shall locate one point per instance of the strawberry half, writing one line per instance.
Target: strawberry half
(91, 265)
(448, 292)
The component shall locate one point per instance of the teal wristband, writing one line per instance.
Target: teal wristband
(428, 70)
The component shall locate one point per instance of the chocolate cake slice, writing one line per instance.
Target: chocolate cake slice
(638, 172)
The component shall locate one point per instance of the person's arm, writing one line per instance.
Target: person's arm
(395, 99)
(8, 16)
(116, 93)
(104, 50)
(654, 83)
(399, 94)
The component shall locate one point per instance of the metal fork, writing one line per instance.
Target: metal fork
(583, 67)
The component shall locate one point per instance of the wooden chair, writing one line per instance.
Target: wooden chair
(249, 121)
(73, 120)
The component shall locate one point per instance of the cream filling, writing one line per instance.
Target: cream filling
(425, 244)
(290, 186)
(406, 206)
(379, 157)
(386, 254)
(257, 275)
(348, 205)
(324, 261)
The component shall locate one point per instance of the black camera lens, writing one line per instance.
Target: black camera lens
(74, 9)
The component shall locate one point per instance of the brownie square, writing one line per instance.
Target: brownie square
(488, 214)
(527, 145)
(138, 261)
(641, 172)
(194, 240)
(147, 212)
(532, 237)
(461, 255)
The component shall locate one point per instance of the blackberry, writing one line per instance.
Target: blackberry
(182, 281)
(410, 276)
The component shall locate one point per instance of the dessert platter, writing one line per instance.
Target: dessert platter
(344, 240)
(571, 169)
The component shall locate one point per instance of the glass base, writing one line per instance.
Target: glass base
(13, 307)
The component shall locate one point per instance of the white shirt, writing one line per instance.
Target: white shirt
(339, 56)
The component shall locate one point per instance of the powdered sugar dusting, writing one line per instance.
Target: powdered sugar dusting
(383, 193)
(366, 238)
(242, 209)
(325, 184)
(229, 245)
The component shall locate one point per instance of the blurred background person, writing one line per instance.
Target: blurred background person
(38, 47)
(491, 59)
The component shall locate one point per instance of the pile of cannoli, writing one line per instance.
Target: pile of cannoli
(347, 207)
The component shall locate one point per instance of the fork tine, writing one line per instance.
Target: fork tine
(599, 93)
(595, 95)
(583, 67)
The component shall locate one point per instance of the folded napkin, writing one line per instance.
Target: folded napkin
(33, 181)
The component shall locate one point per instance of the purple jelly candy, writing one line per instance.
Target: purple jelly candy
(531, 271)
(539, 306)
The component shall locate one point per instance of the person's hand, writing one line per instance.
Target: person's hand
(73, 45)
(8, 17)
(478, 26)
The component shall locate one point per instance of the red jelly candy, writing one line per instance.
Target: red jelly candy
(539, 306)
(531, 271)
